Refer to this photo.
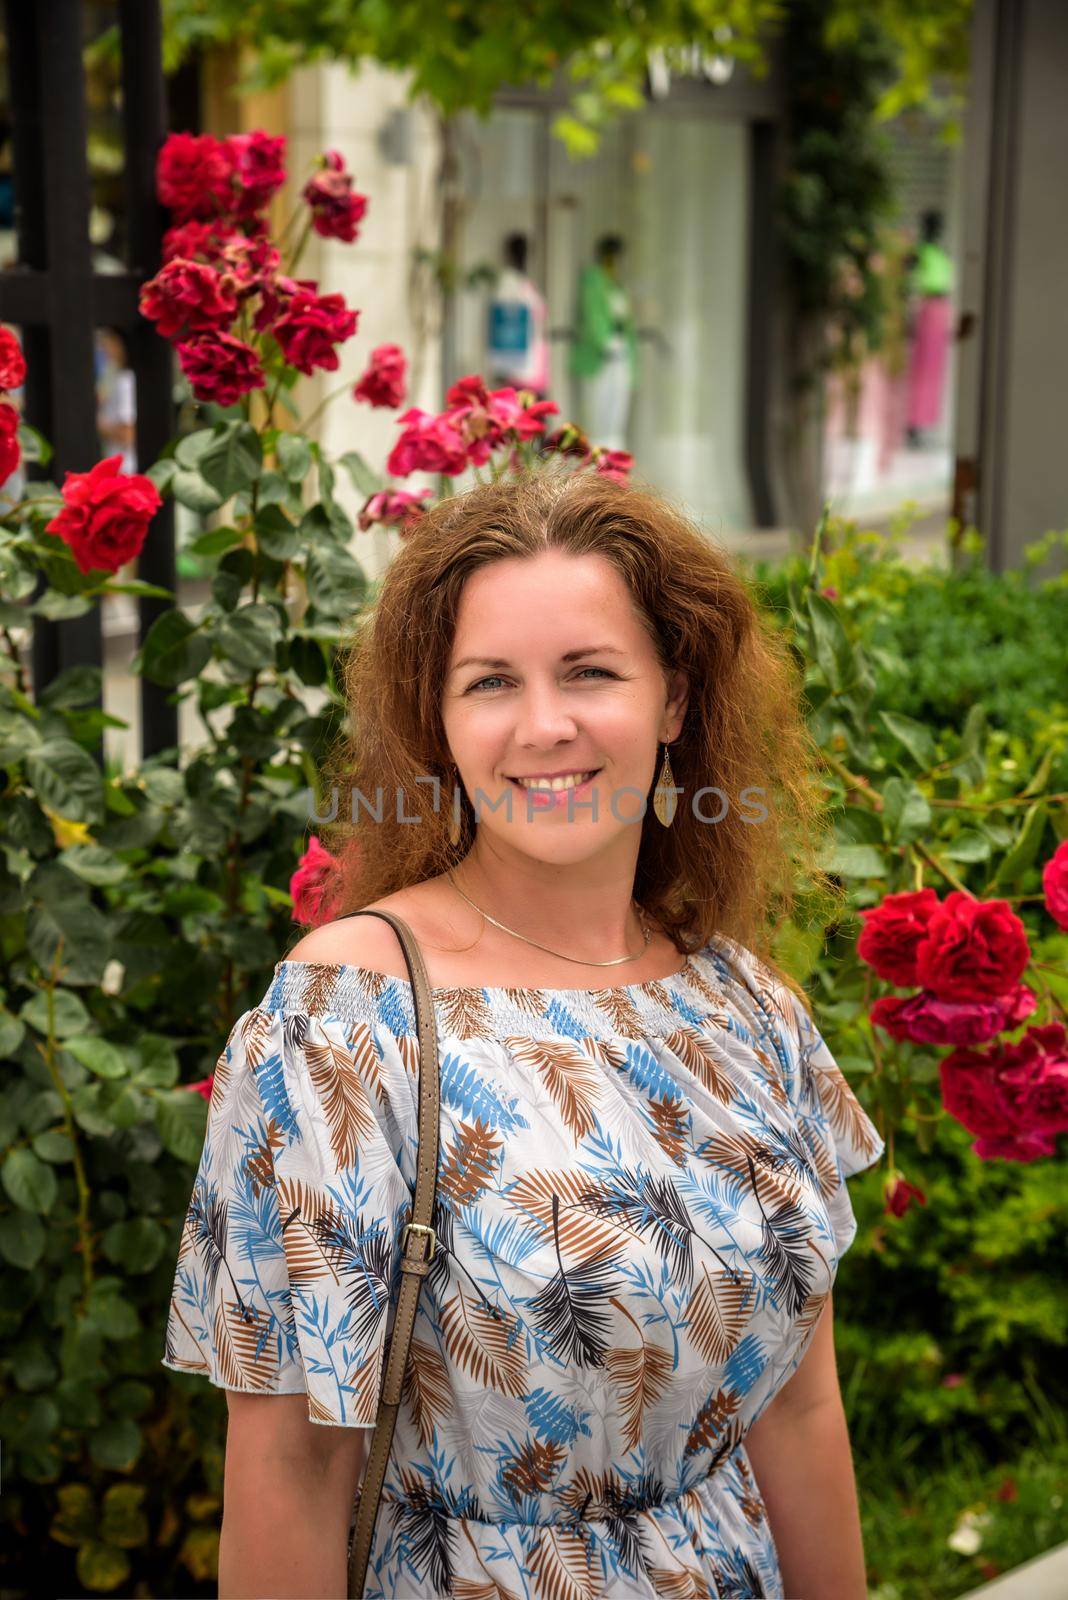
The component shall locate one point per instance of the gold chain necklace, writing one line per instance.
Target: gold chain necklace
(616, 962)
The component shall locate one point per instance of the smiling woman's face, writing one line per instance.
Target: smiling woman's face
(552, 673)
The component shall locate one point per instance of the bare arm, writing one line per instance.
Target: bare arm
(288, 1497)
(800, 1451)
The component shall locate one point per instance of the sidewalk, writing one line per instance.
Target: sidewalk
(1045, 1578)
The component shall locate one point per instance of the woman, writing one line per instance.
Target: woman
(622, 1380)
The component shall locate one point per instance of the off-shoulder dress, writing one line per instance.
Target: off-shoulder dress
(641, 1210)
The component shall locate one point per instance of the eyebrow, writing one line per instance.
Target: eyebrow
(570, 655)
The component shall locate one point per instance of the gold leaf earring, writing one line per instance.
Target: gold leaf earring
(665, 800)
(455, 803)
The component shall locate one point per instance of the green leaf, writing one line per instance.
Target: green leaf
(969, 845)
(906, 811)
(76, 686)
(1012, 867)
(182, 1118)
(855, 861)
(124, 1522)
(54, 1145)
(69, 1015)
(12, 1033)
(22, 1239)
(916, 738)
(29, 1181)
(336, 582)
(66, 779)
(101, 1567)
(69, 940)
(234, 461)
(190, 448)
(103, 1059)
(192, 491)
(161, 473)
(215, 541)
(833, 651)
(248, 636)
(115, 1445)
(135, 1245)
(94, 865)
(159, 1062)
(294, 456)
(109, 1312)
(174, 650)
(276, 534)
(75, 1520)
(365, 480)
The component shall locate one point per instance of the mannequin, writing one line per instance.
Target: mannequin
(517, 350)
(604, 356)
(932, 285)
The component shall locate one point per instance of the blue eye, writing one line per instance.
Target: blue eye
(494, 678)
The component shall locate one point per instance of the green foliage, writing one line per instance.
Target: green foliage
(138, 914)
(951, 1319)
(461, 54)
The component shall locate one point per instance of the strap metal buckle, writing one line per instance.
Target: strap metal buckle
(424, 1232)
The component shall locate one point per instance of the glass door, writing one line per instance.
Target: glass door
(674, 190)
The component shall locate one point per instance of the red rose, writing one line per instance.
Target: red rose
(891, 932)
(310, 327)
(203, 1088)
(971, 949)
(428, 444)
(383, 382)
(1033, 1074)
(315, 886)
(396, 508)
(195, 241)
(568, 441)
(252, 261)
(189, 296)
(193, 175)
(336, 210)
(615, 464)
(12, 361)
(925, 1019)
(259, 168)
(10, 451)
(900, 1194)
(971, 1093)
(1054, 883)
(1014, 1147)
(220, 368)
(105, 515)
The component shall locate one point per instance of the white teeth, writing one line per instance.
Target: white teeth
(571, 782)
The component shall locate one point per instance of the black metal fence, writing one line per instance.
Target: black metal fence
(57, 299)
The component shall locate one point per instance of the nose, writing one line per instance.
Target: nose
(543, 718)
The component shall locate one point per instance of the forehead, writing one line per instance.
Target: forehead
(549, 594)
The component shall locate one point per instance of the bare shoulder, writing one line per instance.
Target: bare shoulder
(370, 942)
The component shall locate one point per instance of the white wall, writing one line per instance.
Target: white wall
(333, 108)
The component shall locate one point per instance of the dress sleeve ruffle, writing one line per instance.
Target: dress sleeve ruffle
(835, 1130)
(287, 1265)
(831, 1121)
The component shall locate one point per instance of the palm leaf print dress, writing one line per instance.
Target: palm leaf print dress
(641, 1210)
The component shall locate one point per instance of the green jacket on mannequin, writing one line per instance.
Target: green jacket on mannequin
(598, 320)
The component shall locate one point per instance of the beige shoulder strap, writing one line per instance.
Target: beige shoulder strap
(418, 1244)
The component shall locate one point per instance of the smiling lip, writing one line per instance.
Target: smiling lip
(532, 777)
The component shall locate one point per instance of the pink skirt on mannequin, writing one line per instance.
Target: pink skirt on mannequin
(927, 369)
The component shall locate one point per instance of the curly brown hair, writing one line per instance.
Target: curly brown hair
(743, 726)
